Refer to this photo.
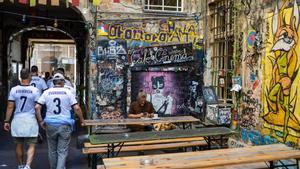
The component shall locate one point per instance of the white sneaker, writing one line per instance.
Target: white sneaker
(27, 167)
(20, 166)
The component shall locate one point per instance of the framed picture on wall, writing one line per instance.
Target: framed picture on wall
(209, 95)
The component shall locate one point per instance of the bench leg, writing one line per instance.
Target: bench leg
(94, 161)
(89, 160)
(209, 142)
(271, 164)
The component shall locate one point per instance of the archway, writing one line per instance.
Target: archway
(41, 22)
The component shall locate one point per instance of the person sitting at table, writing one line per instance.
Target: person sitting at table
(141, 109)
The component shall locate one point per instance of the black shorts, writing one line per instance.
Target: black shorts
(27, 140)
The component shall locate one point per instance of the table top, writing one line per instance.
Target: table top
(173, 119)
(206, 159)
(159, 135)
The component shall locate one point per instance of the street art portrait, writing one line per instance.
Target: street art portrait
(167, 91)
(281, 84)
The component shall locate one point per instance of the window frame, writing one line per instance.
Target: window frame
(178, 7)
(221, 27)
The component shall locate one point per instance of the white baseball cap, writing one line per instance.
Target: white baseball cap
(58, 76)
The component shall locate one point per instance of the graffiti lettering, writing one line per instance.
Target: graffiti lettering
(173, 34)
(250, 112)
(162, 55)
(111, 49)
(247, 4)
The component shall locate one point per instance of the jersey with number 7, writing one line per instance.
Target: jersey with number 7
(59, 102)
(24, 97)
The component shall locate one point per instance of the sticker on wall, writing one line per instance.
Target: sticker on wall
(102, 30)
(251, 38)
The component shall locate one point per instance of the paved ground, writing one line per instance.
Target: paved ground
(76, 160)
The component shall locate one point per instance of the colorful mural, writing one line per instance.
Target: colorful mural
(281, 102)
(157, 31)
(168, 91)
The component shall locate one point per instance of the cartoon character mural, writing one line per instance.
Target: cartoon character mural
(281, 114)
(161, 103)
(167, 90)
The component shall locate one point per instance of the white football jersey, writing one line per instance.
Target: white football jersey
(39, 83)
(50, 83)
(59, 102)
(25, 98)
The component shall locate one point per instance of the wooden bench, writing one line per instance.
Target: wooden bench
(208, 159)
(147, 145)
(260, 165)
(92, 149)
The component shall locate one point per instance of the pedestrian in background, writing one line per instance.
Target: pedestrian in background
(24, 127)
(58, 122)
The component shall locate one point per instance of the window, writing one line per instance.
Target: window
(164, 5)
(221, 24)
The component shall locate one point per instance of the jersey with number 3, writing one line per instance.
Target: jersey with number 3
(24, 98)
(59, 102)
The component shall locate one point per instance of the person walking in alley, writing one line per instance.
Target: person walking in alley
(58, 122)
(50, 83)
(24, 126)
(39, 83)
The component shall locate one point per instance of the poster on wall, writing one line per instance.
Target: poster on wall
(159, 55)
(167, 91)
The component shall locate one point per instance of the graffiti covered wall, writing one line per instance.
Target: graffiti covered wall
(267, 44)
(124, 46)
(281, 79)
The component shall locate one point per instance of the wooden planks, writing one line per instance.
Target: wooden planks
(159, 135)
(162, 146)
(261, 165)
(89, 145)
(207, 159)
(175, 119)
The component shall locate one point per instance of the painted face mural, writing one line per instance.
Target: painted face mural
(165, 90)
(161, 103)
(281, 111)
(158, 84)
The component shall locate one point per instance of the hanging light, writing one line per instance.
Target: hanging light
(55, 23)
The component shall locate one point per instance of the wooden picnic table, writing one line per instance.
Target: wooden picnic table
(159, 135)
(207, 159)
(116, 141)
(141, 121)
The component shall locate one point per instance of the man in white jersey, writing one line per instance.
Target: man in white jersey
(36, 81)
(24, 125)
(58, 122)
(50, 83)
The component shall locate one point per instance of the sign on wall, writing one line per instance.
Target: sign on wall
(158, 55)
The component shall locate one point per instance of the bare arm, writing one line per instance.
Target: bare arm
(78, 111)
(39, 118)
(38, 108)
(9, 111)
(135, 116)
